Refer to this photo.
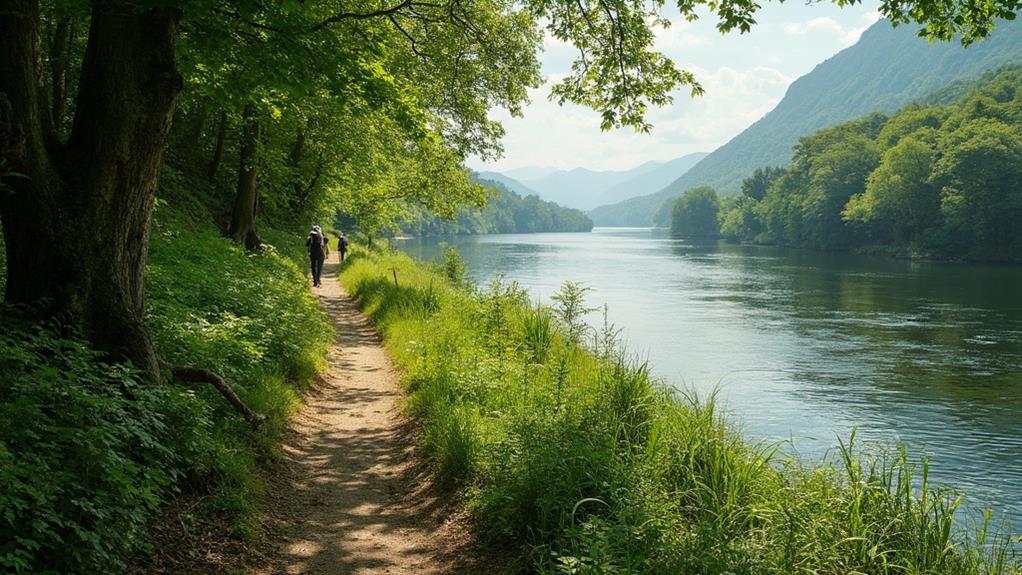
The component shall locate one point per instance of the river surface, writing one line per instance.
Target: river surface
(805, 346)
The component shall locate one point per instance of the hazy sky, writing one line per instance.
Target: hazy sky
(744, 77)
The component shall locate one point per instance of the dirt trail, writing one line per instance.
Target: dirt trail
(352, 498)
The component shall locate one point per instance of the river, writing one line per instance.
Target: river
(803, 347)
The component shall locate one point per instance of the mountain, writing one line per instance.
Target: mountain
(652, 180)
(581, 188)
(508, 182)
(886, 69)
(530, 172)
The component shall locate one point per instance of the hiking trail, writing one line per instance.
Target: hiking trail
(353, 497)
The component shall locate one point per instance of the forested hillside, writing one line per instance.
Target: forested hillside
(505, 213)
(886, 69)
(508, 182)
(935, 181)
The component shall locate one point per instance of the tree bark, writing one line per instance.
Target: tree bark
(218, 149)
(242, 228)
(59, 48)
(77, 227)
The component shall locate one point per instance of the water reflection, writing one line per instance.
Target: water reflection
(806, 345)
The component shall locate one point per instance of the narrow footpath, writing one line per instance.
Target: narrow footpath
(352, 497)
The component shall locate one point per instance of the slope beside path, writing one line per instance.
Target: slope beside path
(352, 497)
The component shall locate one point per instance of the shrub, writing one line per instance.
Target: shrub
(87, 451)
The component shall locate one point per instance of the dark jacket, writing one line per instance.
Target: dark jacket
(316, 244)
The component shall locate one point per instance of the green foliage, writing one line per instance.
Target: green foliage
(577, 461)
(454, 266)
(505, 213)
(570, 308)
(87, 452)
(695, 214)
(937, 181)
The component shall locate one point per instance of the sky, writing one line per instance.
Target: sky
(744, 76)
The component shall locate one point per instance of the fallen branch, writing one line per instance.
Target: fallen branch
(189, 373)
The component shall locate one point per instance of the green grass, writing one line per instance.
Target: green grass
(576, 460)
(89, 452)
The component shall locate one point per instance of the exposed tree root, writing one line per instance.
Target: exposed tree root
(189, 373)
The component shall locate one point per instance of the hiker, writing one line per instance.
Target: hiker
(317, 244)
(342, 246)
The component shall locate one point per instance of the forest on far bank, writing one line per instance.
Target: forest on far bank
(933, 180)
(505, 212)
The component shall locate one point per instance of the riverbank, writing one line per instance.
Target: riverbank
(575, 460)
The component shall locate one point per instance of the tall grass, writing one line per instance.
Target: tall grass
(578, 461)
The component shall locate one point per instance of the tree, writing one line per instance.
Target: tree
(740, 220)
(980, 178)
(834, 164)
(899, 201)
(695, 214)
(756, 185)
(97, 187)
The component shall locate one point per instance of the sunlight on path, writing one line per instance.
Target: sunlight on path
(352, 499)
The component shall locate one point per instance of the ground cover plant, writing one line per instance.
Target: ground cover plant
(90, 451)
(576, 460)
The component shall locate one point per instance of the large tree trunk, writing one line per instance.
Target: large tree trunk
(77, 227)
(59, 47)
(242, 228)
(218, 148)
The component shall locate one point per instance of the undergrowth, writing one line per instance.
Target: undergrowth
(89, 452)
(577, 461)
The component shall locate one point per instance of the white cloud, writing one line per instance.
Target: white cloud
(681, 34)
(845, 35)
(744, 75)
(569, 136)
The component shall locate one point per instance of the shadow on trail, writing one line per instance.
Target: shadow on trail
(351, 497)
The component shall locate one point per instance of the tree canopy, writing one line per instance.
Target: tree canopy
(939, 180)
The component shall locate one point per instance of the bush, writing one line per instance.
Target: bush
(87, 451)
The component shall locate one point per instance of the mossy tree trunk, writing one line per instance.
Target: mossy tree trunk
(218, 147)
(76, 225)
(243, 228)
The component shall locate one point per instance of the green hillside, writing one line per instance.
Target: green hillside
(887, 68)
(506, 212)
(508, 182)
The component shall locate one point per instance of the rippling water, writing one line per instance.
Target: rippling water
(807, 346)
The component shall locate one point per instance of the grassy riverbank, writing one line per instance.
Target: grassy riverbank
(576, 460)
(90, 453)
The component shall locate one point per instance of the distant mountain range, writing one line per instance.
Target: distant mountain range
(886, 69)
(584, 189)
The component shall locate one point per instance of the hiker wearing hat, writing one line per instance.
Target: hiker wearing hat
(317, 245)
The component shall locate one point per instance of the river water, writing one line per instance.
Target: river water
(803, 347)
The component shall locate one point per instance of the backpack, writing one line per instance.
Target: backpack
(315, 241)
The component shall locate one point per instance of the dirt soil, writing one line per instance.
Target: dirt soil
(352, 496)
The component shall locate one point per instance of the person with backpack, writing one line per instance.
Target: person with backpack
(342, 246)
(317, 245)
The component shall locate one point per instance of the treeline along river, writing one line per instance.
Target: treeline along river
(806, 346)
